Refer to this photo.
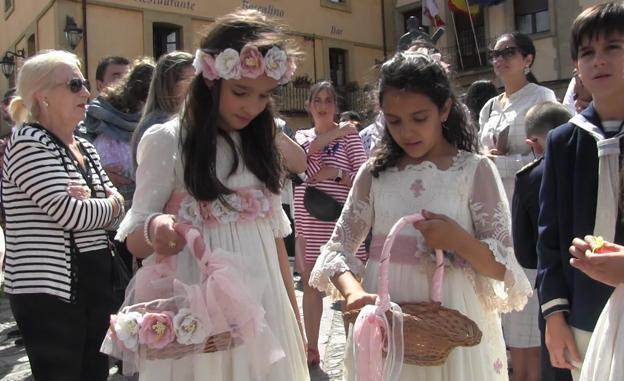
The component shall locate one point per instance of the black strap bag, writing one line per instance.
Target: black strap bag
(321, 205)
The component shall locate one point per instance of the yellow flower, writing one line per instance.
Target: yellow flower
(159, 328)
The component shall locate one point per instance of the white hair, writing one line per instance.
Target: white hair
(37, 73)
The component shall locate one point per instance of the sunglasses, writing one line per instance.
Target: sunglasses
(76, 84)
(504, 53)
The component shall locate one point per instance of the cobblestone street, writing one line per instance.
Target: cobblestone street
(14, 362)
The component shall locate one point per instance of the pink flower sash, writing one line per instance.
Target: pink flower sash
(244, 205)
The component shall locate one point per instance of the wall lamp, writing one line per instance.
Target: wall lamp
(8, 62)
(73, 34)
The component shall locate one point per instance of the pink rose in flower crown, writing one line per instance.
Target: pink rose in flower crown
(157, 330)
(252, 64)
(205, 64)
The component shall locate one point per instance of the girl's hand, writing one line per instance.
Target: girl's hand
(358, 299)
(604, 264)
(165, 240)
(441, 232)
(325, 173)
(78, 190)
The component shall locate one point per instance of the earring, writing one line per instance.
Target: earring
(46, 104)
(527, 70)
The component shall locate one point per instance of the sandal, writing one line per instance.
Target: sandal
(314, 358)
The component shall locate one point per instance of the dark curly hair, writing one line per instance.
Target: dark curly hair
(422, 74)
(129, 93)
(201, 112)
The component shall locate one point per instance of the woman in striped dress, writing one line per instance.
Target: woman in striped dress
(334, 156)
(58, 270)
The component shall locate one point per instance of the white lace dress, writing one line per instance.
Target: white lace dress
(471, 193)
(250, 240)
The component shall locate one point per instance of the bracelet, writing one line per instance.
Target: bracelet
(146, 225)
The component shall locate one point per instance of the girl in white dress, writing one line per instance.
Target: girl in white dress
(218, 168)
(427, 163)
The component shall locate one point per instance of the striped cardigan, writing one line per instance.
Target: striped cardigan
(40, 213)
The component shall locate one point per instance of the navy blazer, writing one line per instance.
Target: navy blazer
(524, 213)
(568, 210)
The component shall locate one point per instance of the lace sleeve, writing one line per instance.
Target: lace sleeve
(492, 223)
(338, 255)
(155, 176)
(279, 221)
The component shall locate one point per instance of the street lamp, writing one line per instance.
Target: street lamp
(73, 34)
(8, 62)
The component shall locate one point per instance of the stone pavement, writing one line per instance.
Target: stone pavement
(14, 362)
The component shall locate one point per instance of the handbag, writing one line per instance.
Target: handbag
(321, 205)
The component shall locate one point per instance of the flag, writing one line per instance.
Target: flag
(431, 14)
(462, 6)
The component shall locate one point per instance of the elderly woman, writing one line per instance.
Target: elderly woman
(59, 203)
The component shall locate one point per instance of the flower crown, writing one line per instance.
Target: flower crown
(435, 56)
(250, 63)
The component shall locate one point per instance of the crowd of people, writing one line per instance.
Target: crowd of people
(181, 173)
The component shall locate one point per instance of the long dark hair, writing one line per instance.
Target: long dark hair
(526, 47)
(199, 122)
(419, 73)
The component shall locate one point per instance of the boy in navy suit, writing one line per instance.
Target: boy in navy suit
(540, 119)
(580, 191)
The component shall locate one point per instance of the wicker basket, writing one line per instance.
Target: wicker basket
(430, 331)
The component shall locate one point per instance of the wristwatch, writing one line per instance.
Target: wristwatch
(339, 177)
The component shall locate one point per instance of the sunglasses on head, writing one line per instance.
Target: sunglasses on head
(76, 84)
(504, 53)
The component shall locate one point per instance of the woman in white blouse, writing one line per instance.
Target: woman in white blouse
(502, 118)
(503, 137)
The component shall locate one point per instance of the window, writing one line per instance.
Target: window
(338, 66)
(532, 16)
(167, 38)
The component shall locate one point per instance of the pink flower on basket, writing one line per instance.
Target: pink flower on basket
(189, 328)
(156, 329)
(126, 328)
(252, 63)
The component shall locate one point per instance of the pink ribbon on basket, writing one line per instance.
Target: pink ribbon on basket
(229, 303)
(372, 335)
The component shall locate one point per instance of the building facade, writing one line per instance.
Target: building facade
(341, 39)
(465, 42)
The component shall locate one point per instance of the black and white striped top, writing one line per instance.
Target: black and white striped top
(40, 213)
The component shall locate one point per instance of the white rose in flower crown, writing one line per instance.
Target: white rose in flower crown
(189, 328)
(127, 329)
(228, 65)
(275, 63)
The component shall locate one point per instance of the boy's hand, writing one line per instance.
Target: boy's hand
(559, 340)
(604, 263)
